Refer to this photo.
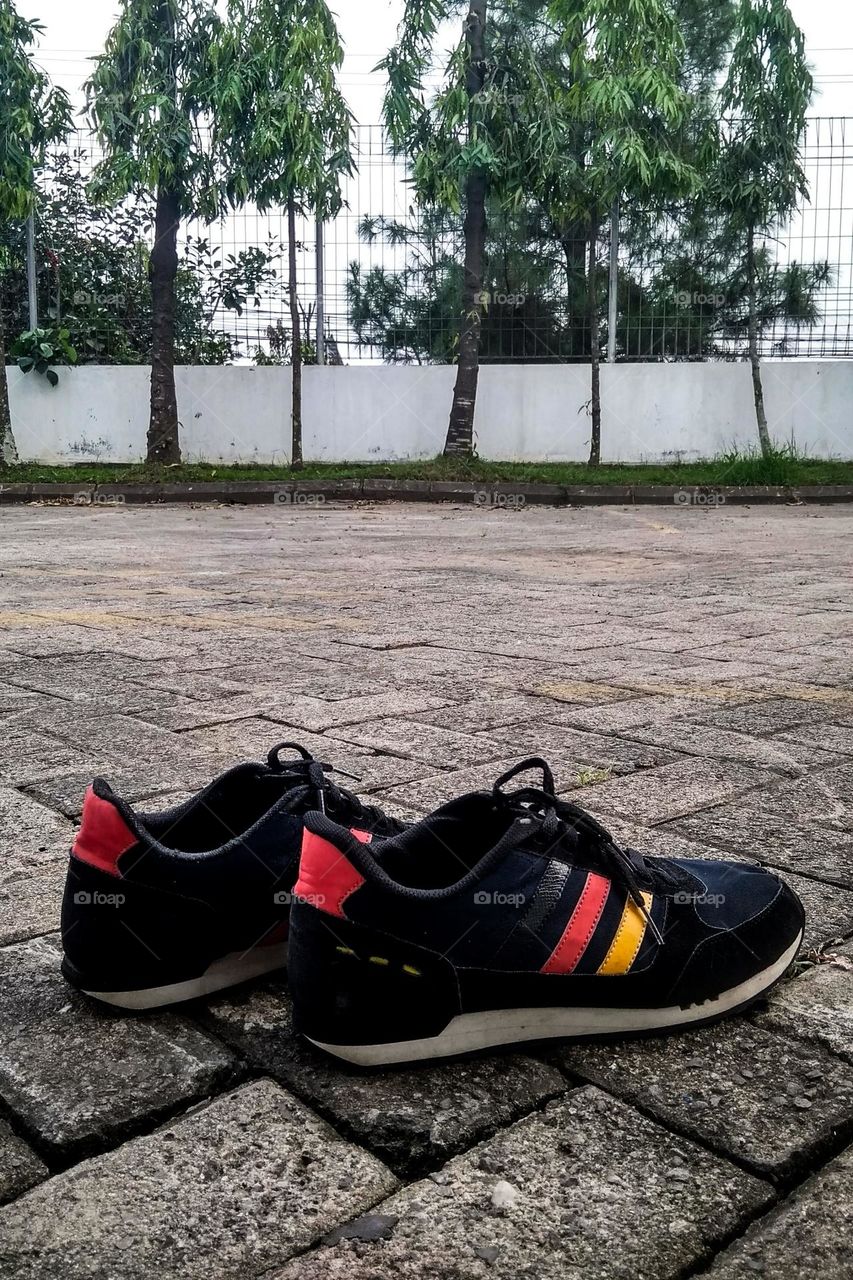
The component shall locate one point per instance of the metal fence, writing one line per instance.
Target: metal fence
(392, 275)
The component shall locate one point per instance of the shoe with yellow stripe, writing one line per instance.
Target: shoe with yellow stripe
(509, 917)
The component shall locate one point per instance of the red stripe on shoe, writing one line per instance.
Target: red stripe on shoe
(364, 836)
(582, 925)
(326, 877)
(103, 836)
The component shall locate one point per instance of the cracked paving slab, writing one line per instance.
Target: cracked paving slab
(230, 1190)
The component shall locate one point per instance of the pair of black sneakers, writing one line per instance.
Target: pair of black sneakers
(504, 917)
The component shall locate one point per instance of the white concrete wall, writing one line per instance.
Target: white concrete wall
(530, 412)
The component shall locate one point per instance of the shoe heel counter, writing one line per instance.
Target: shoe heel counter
(104, 833)
(352, 985)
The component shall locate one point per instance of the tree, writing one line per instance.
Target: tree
(33, 114)
(760, 175)
(620, 108)
(478, 140)
(147, 101)
(92, 275)
(412, 315)
(282, 128)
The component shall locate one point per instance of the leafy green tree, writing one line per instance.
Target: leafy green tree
(282, 128)
(33, 114)
(620, 107)
(148, 98)
(478, 140)
(92, 275)
(412, 315)
(760, 175)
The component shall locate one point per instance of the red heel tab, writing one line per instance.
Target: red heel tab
(104, 835)
(326, 876)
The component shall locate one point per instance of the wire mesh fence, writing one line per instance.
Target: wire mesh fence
(392, 274)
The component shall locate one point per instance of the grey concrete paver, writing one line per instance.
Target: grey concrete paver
(558, 1196)
(34, 845)
(230, 1190)
(806, 1238)
(78, 1076)
(20, 1167)
(767, 1101)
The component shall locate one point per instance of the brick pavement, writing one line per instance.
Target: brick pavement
(689, 673)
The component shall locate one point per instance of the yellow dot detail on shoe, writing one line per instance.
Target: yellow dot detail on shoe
(378, 960)
(410, 968)
(345, 951)
(628, 939)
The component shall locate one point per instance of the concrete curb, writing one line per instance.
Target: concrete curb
(500, 495)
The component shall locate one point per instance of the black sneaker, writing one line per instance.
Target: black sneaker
(511, 917)
(162, 907)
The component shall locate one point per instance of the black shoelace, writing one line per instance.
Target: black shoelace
(309, 780)
(559, 823)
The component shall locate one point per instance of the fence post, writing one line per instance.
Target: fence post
(31, 271)
(321, 300)
(613, 283)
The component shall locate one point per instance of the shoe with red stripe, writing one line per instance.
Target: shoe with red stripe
(163, 907)
(510, 917)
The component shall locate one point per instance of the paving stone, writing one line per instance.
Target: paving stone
(826, 737)
(588, 1190)
(586, 692)
(816, 1004)
(722, 744)
(318, 715)
(79, 1075)
(34, 845)
(616, 717)
(15, 700)
(228, 744)
(74, 676)
(108, 739)
(758, 1097)
(483, 713)
(412, 1119)
(673, 790)
(417, 741)
(807, 1237)
(753, 827)
(762, 716)
(230, 1190)
(199, 685)
(595, 749)
(20, 1167)
(171, 711)
(26, 754)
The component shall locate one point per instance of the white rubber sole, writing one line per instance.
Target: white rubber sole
(469, 1032)
(227, 972)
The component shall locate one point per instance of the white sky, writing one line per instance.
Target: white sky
(74, 31)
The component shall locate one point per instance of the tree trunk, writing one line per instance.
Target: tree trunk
(163, 441)
(295, 344)
(594, 348)
(8, 450)
(757, 388)
(460, 431)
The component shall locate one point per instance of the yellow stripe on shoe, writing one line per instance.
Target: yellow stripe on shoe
(628, 938)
